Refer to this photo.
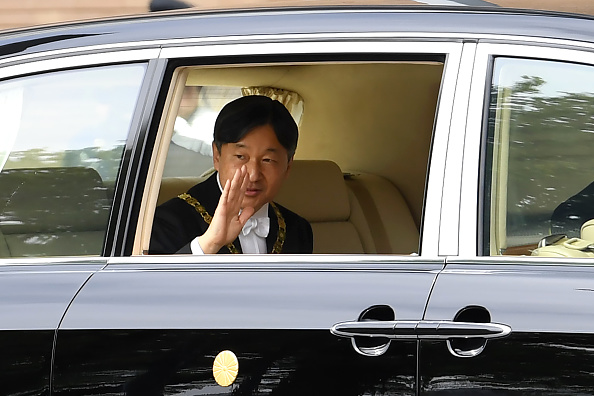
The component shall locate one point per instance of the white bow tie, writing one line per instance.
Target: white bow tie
(261, 226)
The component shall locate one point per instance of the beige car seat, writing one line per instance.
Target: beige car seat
(569, 247)
(52, 212)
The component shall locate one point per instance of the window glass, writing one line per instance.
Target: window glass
(63, 139)
(541, 134)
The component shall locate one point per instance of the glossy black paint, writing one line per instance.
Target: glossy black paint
(179, 362)
(26, 362)
(156, 327)
(153, 325)
(522, 364)
(530, 295)
(194, 293)
(36, 296)
(550, 308)
(188, 24)
(33, 299)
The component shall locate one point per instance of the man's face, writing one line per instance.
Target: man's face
(266, 160)
(189, 102)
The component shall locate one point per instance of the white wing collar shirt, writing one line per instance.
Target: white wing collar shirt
(253, 235)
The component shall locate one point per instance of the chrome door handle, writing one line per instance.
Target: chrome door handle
(445, 329)
(373, 328)
(420, 329)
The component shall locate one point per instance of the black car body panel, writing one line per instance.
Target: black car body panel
(35, 298)
(125, 316)
(551, 344)
(230, 24)
(464, 311)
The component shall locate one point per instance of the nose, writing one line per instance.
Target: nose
(254, 171)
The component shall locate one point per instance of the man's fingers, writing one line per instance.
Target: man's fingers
(222, 205)
(227, 220)
(225, 194)
(244, 182)
(232, 186)
(236, 182)
(246, 213)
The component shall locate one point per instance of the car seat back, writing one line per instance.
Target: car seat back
(52, 212)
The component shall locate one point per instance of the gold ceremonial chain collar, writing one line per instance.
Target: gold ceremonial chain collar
(282, 226)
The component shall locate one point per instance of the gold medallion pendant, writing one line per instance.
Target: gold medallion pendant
(225, 368)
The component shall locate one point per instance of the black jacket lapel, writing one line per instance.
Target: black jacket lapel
(272, 234)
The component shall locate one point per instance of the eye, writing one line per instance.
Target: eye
(240, 156)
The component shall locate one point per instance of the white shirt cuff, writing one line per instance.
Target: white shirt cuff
(195, 247)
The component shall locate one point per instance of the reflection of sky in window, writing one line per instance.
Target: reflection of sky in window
(75, 109)
(559, 77)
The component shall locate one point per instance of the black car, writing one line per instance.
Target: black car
(445, 163)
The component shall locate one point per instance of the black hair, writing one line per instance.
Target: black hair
(240, 116)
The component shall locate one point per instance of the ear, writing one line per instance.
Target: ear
(289, 166)
(216, 156)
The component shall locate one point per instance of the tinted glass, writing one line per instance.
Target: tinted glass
(63, 139)
(541, 134)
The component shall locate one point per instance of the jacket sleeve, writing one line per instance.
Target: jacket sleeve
(308, 240)
(174, 226)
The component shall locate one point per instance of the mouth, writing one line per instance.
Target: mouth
(252, 192)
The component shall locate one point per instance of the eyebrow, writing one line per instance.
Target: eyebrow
(241, 145)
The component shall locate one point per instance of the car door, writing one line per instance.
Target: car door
(63, 139)
(529, 134)
(286, 324)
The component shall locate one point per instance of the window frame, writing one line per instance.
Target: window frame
(472, 187)
(84, 58)
(218, 54)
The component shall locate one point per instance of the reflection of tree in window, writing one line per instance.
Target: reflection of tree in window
(550, 155)
(105, 162)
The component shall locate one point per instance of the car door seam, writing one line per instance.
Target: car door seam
(55, 340)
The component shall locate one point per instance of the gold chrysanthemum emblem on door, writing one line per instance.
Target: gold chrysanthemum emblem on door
(225, 368)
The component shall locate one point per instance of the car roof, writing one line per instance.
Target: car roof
(192, 23)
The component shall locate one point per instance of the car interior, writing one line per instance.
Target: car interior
(360, 168)
(359, 172)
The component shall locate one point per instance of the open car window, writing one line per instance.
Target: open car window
(191, 140)
(365, 132)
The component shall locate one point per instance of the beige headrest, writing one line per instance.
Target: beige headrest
(315, 189)
(587, 231)
(171, 187)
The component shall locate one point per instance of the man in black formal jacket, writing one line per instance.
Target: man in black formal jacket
(232, 211)
(569, 216)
